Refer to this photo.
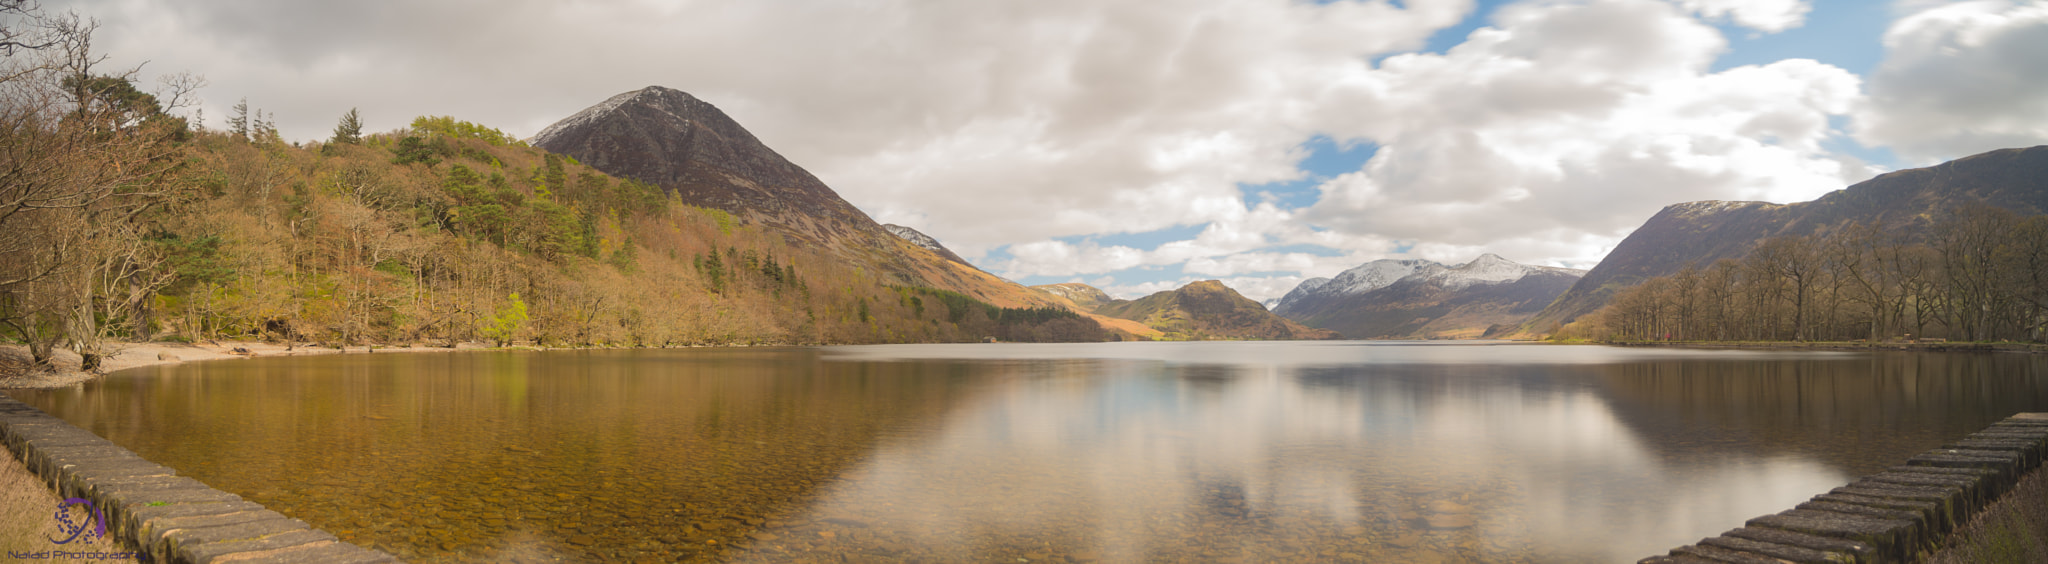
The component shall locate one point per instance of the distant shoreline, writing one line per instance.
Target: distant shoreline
(2029, 348)
(15, 373)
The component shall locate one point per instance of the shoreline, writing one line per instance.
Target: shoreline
(15, 373)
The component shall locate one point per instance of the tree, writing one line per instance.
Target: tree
(264, 130)
(1793, 262)
(80, 159)
(505, 326)
(2026, 274)
(350, 130)
(238, 122)
(17, 36)
(1969, 240)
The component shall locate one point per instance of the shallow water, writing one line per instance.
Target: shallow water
(1115, 452)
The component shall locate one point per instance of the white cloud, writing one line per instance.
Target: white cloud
(1769, 16)
(1544, 137)
(1142, 289)
(1551, 135)
(1059, 258)
(1960, 79)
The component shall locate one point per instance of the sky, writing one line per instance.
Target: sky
(1138, 145)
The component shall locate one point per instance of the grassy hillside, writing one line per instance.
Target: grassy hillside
(1209, 310)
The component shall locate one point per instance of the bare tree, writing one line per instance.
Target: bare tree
(1969, 241)
(1793, 262)
(81, 155)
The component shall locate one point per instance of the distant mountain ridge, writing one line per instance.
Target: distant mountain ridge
(1422, 299)
(1197, 311)
(1699, 233)
(1209, 310)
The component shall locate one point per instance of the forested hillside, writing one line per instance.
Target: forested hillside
(120, 221)
(1979, 274)
(1904, 203)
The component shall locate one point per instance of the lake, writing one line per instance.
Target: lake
(1110, 452)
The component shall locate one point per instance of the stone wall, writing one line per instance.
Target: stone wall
(1900, 515)
(150, 509)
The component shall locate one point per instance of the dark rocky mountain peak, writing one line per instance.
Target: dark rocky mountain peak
(688, 147)
(668, 138)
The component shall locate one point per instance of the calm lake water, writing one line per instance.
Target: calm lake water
(1115, 452)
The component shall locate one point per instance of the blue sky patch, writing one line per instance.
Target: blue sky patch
(1327, 158)
(1317, 250)
(1844, 33)
(1146, 240)
(1845, 145)
(1444, 39)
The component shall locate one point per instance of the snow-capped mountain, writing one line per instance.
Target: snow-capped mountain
(1415, 298)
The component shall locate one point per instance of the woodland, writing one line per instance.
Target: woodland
(123, 219)
(1977, 274)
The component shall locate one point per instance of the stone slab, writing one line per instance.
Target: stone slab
(1894, 538)
(310, 553)
(207, 553)
(1719, 554)
(130, 520)
(1861, 552)
(1868, 511)
(1774, 550)
(2008, 465)
(1931, 512)
(154, 530)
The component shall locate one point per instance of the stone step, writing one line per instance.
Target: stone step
(1895, 516)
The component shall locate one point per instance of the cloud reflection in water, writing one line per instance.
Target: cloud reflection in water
(1162, 452)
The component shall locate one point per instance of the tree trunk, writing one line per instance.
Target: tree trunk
(141, 314)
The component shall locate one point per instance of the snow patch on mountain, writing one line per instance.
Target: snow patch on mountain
(914, 236)
(592, 114)
(1489, 268)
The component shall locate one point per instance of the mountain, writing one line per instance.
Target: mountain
(1420, 299)
(1208, 310)
(688, 148)
(1906, 201)
(1083, 295)
(924, 241)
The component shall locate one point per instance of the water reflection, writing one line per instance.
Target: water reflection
(1107, 452)
(1276, 462)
